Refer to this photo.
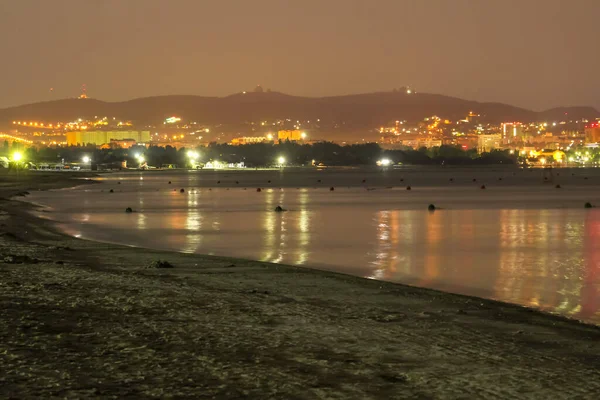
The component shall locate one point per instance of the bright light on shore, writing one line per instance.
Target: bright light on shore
(86, 159)
(17, 156)
(385, 162)
(193, 155)
(281, 160)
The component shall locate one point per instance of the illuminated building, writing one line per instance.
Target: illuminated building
(248, 140)
(291, 135)
(592, 133)
(99, 138)
(511, 131)
(486, 143)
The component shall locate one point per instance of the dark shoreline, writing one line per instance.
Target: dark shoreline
(244, 328)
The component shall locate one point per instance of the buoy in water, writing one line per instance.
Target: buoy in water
(474, 180)
(364, 181)
(588, 205)
(431, 207)
(331, 189)
(557, 186)
(258, 189)
(408, 188)
(129, 210)
(169, 182)
(318, 180)
(181, 190)
(483, 186)
(218, 181)
(111, 191)
(279, 209)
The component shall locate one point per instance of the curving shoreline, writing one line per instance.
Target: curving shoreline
(81, 319)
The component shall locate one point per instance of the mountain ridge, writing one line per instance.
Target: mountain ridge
(357, 110)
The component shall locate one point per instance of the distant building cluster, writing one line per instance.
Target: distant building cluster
(100, 138)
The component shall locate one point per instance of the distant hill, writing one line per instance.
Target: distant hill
(353, 111)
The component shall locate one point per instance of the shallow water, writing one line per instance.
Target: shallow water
(519, 240)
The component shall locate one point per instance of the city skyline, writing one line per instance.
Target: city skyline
(509, 52)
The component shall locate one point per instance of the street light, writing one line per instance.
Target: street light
(86, 159)
(17, 156)
(281, 161)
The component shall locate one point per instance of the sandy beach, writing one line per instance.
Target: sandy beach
(83, 319)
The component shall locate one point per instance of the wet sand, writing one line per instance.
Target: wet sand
(85, 319)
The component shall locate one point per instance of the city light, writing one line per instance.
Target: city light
(269, 136)
(193, 155)
(303, 135)
(384, 162)
(17, 156)
(281, 160)
(86, 159)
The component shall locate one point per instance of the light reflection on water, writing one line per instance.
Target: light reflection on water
(546, 258)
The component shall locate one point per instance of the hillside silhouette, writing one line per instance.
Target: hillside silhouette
(352, 111)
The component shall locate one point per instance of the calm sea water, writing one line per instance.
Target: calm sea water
(520, 240)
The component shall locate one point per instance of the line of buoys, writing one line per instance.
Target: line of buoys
(258, 189)
(431, 207)
(331, 189)
(557, 186)
(588, 205)
(129, 210)
(169, 182)
(181, 190)
(111, 191)
(408, 188)
(483, 186)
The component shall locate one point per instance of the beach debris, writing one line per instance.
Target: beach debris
(258, 189)
(280, 209)
(129, 210)
(482, 186)
(408, 188)
(331, 189)
(111, 191)
(182, 190)
(159, 264)
(431, 207)
(588, 205)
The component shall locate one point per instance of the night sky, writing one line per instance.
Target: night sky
(531, 53)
